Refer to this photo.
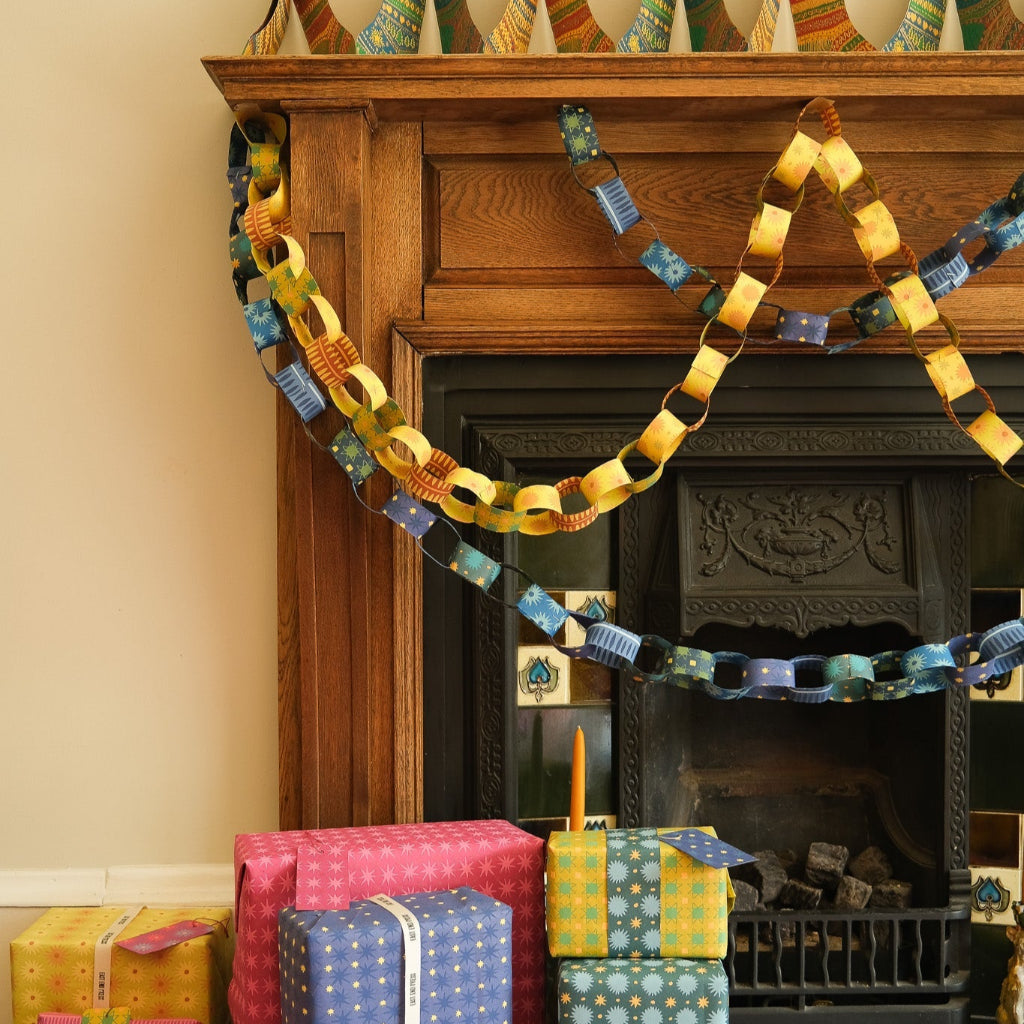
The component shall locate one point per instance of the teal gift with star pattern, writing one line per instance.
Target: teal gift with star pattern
(669, 991)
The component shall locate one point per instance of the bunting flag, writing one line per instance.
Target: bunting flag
(459, 33)
(990, 25)
(713, 31)
(266, 40)
(825, 25)
(576, 30)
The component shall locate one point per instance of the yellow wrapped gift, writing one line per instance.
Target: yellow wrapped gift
(629, 893)
(69, 961)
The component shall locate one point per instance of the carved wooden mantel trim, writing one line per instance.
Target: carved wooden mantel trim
(431, 192)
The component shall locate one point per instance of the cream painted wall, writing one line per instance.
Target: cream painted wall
(137, 604)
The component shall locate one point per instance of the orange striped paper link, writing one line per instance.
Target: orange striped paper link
(331, 359)
(796, 161)
(837, 165)
(428, 481)
(877, 234)
(570, 522)
(741, 302)
(949, 373)
(912, 303)
(768, 231)
(994, 437)
(705, 372)
(607, 486)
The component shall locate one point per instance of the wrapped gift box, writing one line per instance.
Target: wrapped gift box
(115, 1018)
(53, 964)
(325, 869)
(669, 991)
(350, 965)
(624, 892)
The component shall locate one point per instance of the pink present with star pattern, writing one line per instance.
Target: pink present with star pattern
(323, 869)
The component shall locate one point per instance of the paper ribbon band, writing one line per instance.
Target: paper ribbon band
(633, 878)
(412, 953)
(102, 957)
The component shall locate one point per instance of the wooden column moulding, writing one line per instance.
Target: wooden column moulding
(433, 193)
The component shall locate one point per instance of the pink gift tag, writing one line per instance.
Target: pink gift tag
(164, 938)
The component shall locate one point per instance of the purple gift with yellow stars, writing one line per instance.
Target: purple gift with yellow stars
(429, 957)
(639, 892)
(656, 991)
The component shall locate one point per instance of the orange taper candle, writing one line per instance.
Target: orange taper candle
(577, 795)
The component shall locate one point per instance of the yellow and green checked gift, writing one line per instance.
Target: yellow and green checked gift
(627, 893)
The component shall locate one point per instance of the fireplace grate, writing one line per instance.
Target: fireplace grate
(811, 960)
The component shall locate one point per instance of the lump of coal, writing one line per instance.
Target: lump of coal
(852, 894)
(766, 874)
(871, 866)
(797, 895)
(746, 897)
(825, 865)
(891, 894)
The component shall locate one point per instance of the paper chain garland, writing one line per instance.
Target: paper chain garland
(259, 190)
(821, 25)
(502, 506)
(907, 296)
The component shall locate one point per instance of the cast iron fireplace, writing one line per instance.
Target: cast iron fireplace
(847, 499)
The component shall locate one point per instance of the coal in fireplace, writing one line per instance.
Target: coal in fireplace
(819, 511)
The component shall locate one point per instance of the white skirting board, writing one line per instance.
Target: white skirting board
(181, 885)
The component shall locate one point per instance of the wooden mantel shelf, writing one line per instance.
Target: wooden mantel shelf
(432, 193)
(454, 87)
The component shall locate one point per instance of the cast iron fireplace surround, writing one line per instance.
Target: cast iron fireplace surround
(845, 434)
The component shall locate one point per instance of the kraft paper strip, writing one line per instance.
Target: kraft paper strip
(411, 943)
(103, 953)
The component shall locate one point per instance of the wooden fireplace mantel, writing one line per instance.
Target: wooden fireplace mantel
(438, 215)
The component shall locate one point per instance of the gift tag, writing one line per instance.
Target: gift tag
(164, 938)
(706, 848)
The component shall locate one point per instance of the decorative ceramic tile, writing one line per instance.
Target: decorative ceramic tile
(993, 890)
(600, 604)
(542, 676)
(997, 865)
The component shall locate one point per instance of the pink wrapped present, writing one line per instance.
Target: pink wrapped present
(323, 869)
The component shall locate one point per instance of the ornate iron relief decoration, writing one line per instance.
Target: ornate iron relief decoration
(795, 533)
